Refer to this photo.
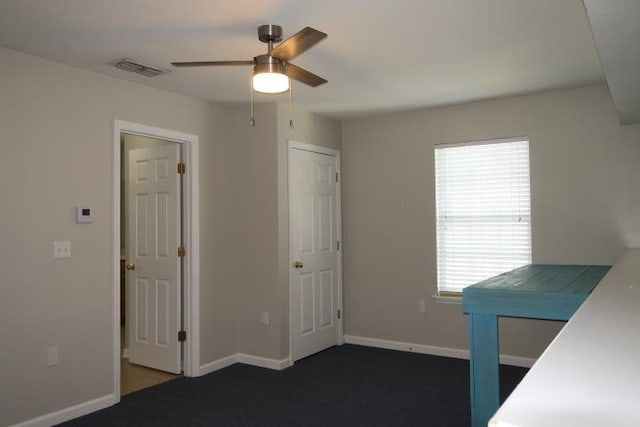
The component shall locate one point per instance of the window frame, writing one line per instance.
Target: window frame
(449, 292)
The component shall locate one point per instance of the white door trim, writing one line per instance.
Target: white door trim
(191, 218)
(295, 145)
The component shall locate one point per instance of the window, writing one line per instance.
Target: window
(483, 211)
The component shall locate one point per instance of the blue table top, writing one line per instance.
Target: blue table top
(544, 291)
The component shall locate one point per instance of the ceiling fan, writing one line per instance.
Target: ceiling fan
(272, 70)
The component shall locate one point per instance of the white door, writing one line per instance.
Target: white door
(314, 251)
(153, 285)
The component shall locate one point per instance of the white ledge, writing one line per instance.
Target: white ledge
(588, 376)
(440, 299)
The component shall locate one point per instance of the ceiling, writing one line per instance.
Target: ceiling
(380, 56)
(616, 30)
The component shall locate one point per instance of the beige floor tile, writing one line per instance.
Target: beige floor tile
(134, 377)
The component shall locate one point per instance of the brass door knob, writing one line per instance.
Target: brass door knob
(298, 264)
(131, 266)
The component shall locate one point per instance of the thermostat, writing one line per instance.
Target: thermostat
(84, 214)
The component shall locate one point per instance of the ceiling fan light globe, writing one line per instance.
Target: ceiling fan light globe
(270, 82)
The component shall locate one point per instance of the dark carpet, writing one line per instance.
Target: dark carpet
(348, 385)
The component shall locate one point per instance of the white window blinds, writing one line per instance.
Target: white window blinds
(483, 213)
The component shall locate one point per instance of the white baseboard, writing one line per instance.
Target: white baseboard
(523, 362)
(216, 365)
(457, 353)
(69, 413)
(247, 359)
(106, 401)
(263, 362)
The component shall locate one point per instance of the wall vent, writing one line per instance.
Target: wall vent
(136, 67)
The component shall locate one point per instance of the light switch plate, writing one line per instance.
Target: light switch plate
(62, 249)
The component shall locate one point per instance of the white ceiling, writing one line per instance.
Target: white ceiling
(381, 56)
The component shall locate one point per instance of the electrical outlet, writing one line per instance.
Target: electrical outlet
(52, 356)
(422, 307)
(62, 249)
(264, 318)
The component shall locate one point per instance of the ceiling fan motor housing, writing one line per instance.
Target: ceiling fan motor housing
(269, 64)
(270, 33)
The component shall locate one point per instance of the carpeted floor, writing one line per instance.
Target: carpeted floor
(343, 386)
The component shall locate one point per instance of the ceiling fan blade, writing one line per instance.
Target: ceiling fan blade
(298, 43)
(210, 63)
(304, 76)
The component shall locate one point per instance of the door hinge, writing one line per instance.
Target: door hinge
(337, 245)
(182, 168)
(182, 252)
(339, 314)
(182, 336)
(337, 176)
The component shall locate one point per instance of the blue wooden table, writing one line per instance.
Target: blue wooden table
(537, 291)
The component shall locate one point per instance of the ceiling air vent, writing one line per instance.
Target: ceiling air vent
(136, 67)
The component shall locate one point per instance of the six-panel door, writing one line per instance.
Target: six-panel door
(153, 240)
(313, 216)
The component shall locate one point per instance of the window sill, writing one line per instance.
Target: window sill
(448, 299)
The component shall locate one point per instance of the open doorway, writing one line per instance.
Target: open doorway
(156, 256)
(151, 271)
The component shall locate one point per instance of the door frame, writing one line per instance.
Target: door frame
(191, 266)
(295, 145)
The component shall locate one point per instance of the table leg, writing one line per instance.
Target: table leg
(484, 362)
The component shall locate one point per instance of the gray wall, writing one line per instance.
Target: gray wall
(585, 206)
(311, 129)
(256, 256)
(57, 125)
(262, 250)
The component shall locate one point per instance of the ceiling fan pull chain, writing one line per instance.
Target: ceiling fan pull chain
(290, 105)
(252, 118)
